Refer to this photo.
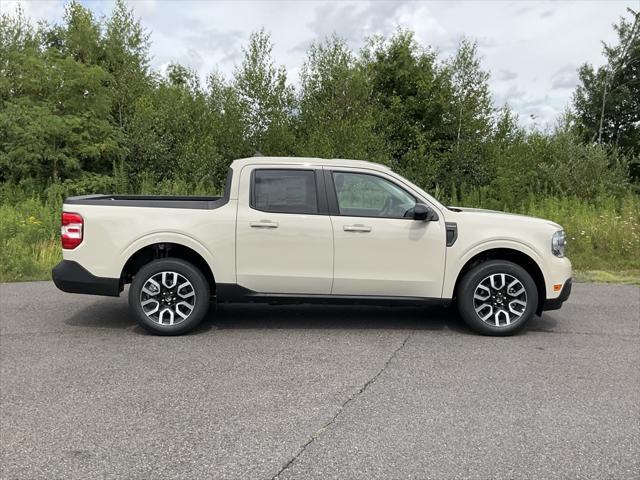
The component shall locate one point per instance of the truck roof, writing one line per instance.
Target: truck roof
(341, 162)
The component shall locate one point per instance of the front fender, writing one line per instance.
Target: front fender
(454, 267)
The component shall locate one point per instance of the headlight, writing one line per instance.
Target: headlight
(558, 242)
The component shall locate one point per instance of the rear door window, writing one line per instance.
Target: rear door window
(284, 191)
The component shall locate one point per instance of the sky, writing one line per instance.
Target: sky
(531, 48)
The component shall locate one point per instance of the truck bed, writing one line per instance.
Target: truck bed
(151, 201)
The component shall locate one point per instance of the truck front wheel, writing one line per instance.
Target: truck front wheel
(497, 297)
(169, 296)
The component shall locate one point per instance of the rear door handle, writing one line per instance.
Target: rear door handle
(356, 228)
(264, 224)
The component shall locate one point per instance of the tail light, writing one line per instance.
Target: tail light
(71, 230)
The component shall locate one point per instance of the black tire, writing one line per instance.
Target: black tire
(199, 286)
(480, 273)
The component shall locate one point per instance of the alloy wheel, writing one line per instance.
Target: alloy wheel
(167, 298)
(500, 299)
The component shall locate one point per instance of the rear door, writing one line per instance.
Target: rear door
(284, 236)
(380, 250)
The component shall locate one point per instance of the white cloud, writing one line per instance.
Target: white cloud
(505, 75)
(48, 10)
(531, 48)
(565, 78)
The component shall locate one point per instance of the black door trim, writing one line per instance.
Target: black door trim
(234, 293)
(330, 192)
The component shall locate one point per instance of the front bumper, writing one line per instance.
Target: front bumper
(556, 303)
(71, 277)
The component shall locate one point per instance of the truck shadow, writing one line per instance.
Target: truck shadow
(115, 315)
(112, 314)
(357, 317)
(103, 314)
(351, 317)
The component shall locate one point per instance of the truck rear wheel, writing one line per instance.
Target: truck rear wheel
(169, 296)
(497, 297)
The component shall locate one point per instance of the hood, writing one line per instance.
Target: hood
(495, 214)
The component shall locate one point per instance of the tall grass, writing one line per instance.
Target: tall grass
(603, 234)
(29, 245)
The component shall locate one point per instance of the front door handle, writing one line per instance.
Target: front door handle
(264, 224)
(356, 228)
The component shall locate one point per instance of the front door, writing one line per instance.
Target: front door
(380, 249)
(284, 239)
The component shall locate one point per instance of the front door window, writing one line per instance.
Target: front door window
(364, 195)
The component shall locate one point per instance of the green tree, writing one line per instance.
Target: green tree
(337, 117)
(607, 101)
(57, 126)
(126, 58)
(20, 64)
(228, 125)
(411, 93)
(79, 37)
(507, 129)
(470, 118)
(472, 111)
(172, 131)
(267, 101)
(80, 105)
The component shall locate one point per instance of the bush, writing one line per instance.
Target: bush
(569, 168)
(556, 165)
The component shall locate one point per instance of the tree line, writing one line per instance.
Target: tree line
(81, 108)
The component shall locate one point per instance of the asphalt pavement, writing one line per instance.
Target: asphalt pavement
(317, 392)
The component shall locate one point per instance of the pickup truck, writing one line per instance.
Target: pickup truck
(307, 230)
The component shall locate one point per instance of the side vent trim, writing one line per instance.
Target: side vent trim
(452, 233)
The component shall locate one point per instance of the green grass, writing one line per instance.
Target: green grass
(29, 243)
(603, 234)
(629, 277)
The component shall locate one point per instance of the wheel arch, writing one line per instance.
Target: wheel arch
(158, 250)
(512, 255)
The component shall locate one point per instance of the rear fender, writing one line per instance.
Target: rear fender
(167, 237)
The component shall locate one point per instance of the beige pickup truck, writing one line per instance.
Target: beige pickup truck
(311, 230)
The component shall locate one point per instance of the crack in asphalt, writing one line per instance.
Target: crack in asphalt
(351, 398)
(597, 334)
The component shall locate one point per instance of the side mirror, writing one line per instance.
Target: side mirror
(424, 213)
